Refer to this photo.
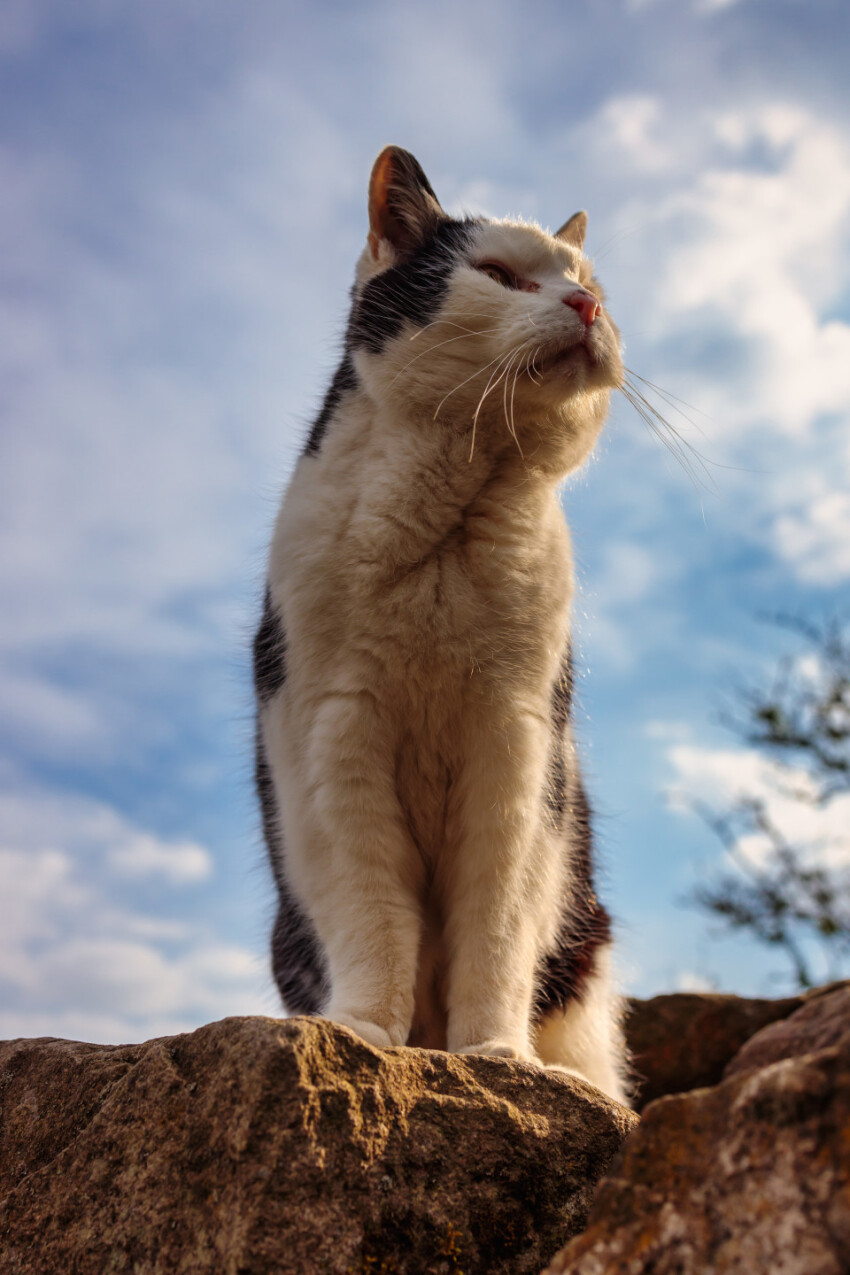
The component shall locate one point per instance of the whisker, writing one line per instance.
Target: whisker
(676, 403)
(533, 370)
(681, 450)
(505, 391)
(478, 372)
(519, 369)
(472, 314)
(613, 241)
(448, 323)
(674, 443)
(509, 420)
(681, 442)
(491, 385)
(448, 341)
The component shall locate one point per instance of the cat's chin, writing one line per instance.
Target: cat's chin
(579, 367)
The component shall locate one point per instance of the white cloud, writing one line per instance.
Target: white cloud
(80, 1024)
(150, 369)
(719, 777)
(32, 820)
(430, 82)
(625, 578)
(111, 974)
(141, 855)
(669, 732)
(761, 243)
(78, 957)
(628, 575)
(747, 223)
(628, 130)
(687, 981)
(816, 539)
(55, 719)
(701, 7)
(723, 774)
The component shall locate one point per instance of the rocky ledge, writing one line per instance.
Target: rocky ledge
(256, 1145)
(750, 1176)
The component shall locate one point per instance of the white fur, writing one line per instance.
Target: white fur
(587, 1037)
(424, 580)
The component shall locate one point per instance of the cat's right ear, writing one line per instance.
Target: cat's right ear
(403, 209)
(574, 230)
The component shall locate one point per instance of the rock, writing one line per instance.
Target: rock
(751, 1178)
(684, 1041)
(823, 1021)
(256, 1145)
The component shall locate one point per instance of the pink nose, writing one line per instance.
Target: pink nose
(585, 305)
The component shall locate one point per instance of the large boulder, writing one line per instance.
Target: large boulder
(822, 1021)
(750, 1177)
(684, 1040)
(257, 1145)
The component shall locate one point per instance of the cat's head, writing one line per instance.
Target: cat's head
(493, 321)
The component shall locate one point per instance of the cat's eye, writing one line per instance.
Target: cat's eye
(498, 273)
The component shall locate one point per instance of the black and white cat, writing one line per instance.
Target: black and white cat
(422, 803)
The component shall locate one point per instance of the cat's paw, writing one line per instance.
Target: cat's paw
(502, 1049)
(609, 1085)
(568, 1071)
(370, 1032)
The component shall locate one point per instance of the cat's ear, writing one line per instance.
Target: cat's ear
(403, 209)
(574, 230)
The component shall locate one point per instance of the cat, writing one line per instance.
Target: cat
(422, 803)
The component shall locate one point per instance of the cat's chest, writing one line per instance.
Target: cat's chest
(488, 580)
(416, 579)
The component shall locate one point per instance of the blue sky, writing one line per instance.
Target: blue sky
(183, 202)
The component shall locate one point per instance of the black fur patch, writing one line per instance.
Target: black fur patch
(269, 653)
(345, 379)
(585, 926)
(298, 963)
(560, 708)
(411, 292)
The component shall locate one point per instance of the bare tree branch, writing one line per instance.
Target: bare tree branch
(787, 896)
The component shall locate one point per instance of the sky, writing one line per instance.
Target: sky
(183, 200)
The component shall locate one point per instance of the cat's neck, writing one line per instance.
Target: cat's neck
(450, 464)
(522, 454)
(405, 486)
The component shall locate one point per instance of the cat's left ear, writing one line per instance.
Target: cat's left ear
(403, 209)
(574, 230)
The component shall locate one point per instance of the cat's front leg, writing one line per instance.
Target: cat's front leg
(353, 865)
(498, 889)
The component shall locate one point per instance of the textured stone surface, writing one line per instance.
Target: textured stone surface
(751, 1177)
(823, 1021)
(685, 1040)
(255, 1145)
